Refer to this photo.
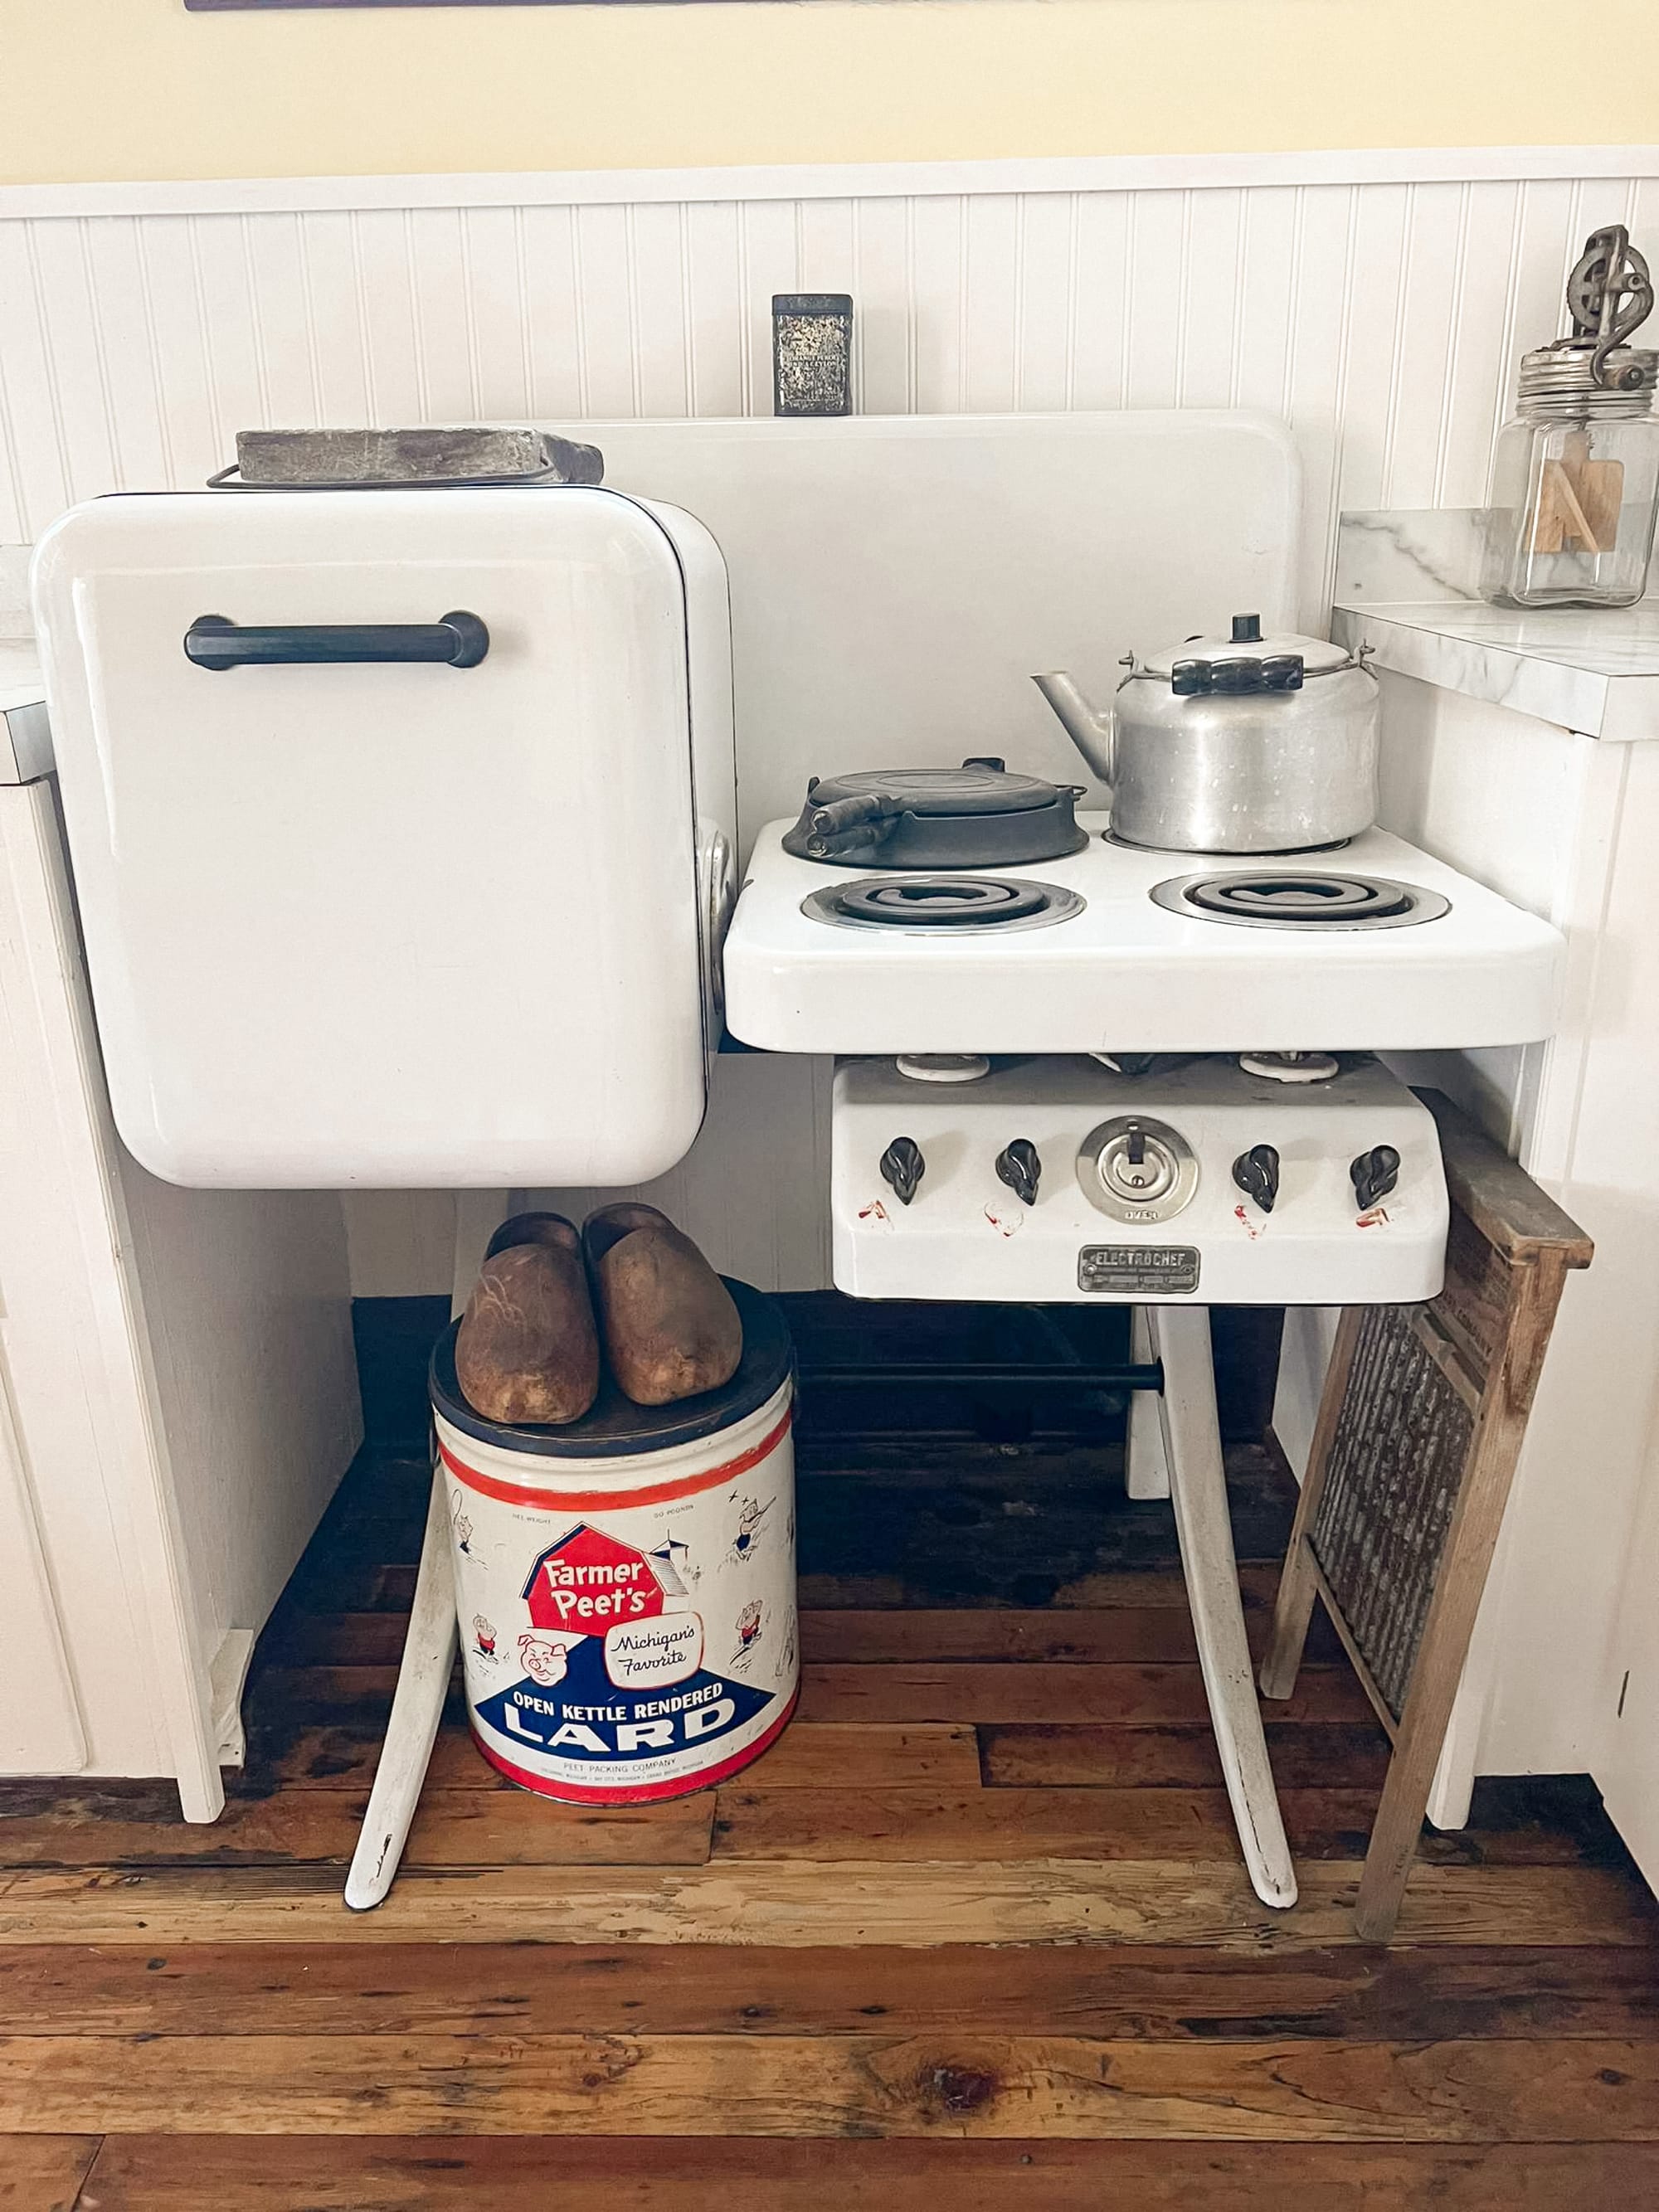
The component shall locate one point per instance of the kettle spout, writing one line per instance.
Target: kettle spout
(1088, 729)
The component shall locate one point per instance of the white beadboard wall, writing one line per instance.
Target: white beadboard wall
(1381, 318)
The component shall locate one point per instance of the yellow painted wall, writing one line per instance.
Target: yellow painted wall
(94, 89)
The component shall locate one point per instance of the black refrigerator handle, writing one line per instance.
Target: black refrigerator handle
(459, 641)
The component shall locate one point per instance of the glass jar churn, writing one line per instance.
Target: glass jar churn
(1575, 480)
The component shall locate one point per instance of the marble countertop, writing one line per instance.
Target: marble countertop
(1614, 642)
(1406, 587)
(1594, 671)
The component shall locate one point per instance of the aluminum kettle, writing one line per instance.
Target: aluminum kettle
(1245, 744)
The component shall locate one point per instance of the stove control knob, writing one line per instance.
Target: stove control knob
(1256, 1174)
(1374, 1174)
(1020, 1169)
(903, 1166)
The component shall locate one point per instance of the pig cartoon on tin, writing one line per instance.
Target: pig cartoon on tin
(483, 1633)
(747, 1540)
(749, 1629)
(545, 1659)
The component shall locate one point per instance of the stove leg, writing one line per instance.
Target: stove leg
(417, 1710)
(1192, 1439)
(1145, 1469)
(429, 1659)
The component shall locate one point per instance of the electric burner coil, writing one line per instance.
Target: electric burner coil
(945, 906)
(1306, 899)
(942, 901)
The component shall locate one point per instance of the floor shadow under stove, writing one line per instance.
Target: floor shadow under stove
(956, 1495)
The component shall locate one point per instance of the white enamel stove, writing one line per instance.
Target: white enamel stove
(1186, 1182)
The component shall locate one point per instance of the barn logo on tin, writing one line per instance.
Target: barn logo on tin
(588, 1581)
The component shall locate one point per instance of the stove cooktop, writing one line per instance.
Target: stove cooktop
(1377, 947)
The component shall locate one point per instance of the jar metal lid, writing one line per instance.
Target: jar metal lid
(1559, 381)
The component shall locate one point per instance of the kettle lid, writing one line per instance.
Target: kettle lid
(1246, 642)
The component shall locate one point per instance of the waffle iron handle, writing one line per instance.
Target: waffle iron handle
(836, 825)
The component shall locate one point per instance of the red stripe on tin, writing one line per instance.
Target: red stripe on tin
(569, 1793)
(595, 1501)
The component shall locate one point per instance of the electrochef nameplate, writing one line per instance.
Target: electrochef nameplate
(1138, 1270)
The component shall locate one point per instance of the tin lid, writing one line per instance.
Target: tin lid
(614, 1427)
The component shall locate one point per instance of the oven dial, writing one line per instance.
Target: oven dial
(1137, 1169)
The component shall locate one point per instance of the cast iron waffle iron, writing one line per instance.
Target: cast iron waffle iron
(977, 816)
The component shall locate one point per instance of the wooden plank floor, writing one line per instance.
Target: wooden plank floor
(975, 1928)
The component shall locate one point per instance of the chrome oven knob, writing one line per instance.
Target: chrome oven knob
(1137, 1169)
(1137, 1166)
